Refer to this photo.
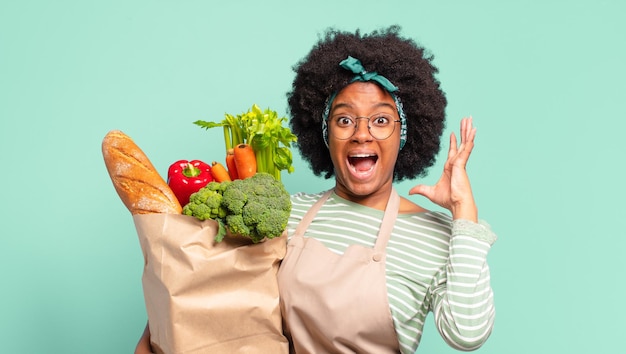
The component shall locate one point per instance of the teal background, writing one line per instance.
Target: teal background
(544, 81)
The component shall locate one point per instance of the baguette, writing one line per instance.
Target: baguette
(137, 182)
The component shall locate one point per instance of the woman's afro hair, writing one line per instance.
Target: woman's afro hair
(402, 61)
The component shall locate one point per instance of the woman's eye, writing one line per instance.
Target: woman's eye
(344, 121)
(380, 120)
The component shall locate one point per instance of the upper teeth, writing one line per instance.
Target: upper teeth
(361, 155)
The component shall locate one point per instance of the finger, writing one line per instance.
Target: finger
(470, 129)
(466, 128)
(468, 134)
(462, 129)
(472, 135)
(422, 189)
(464, 153)
(452, 151)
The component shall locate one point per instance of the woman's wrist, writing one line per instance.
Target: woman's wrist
(465, 211)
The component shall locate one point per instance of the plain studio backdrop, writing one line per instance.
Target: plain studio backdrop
(544, 81)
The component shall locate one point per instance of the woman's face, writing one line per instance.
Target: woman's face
(364, 165)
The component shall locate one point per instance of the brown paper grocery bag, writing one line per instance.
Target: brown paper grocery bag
(208, 297)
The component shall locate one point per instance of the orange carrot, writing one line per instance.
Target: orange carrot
(245, 160)
(230, 164)
(219, 172)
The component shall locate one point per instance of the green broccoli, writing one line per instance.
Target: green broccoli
(236, 197)
(237, 226)
(272, 223)
(257, 207)
(206, 203)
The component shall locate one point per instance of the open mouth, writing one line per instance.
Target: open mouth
(362, 162)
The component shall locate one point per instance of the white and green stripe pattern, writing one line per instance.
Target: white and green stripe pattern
(433, 264)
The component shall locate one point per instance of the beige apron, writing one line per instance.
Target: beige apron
(335, 303)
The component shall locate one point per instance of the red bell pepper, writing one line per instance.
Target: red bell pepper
(187, 177)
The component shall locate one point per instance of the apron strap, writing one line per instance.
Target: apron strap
(387, 224)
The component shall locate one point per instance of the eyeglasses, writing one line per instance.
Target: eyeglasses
(380, 125)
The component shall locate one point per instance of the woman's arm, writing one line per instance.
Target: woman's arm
(143, 346)
(461, 297)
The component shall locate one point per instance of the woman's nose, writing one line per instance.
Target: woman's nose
(362, 131)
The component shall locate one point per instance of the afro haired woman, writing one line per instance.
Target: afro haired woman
(364, 267)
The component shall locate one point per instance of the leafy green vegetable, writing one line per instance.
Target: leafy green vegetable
(264, 131)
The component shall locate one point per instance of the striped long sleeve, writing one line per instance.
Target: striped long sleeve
(462, 298)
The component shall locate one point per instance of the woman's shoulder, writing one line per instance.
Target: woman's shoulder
(413, 213)
(301, 202)
(409, 207)
(306, 198)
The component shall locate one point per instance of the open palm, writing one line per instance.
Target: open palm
(453, 190)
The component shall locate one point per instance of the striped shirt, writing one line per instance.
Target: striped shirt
(433, 264)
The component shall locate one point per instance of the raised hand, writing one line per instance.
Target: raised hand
(453, 190)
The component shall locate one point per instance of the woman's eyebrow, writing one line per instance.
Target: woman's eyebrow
(378, 105)
(341, 105)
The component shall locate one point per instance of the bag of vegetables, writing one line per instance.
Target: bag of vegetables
(204, 296)
(209, 277)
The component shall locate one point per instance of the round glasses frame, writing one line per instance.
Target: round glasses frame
(380, 126)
